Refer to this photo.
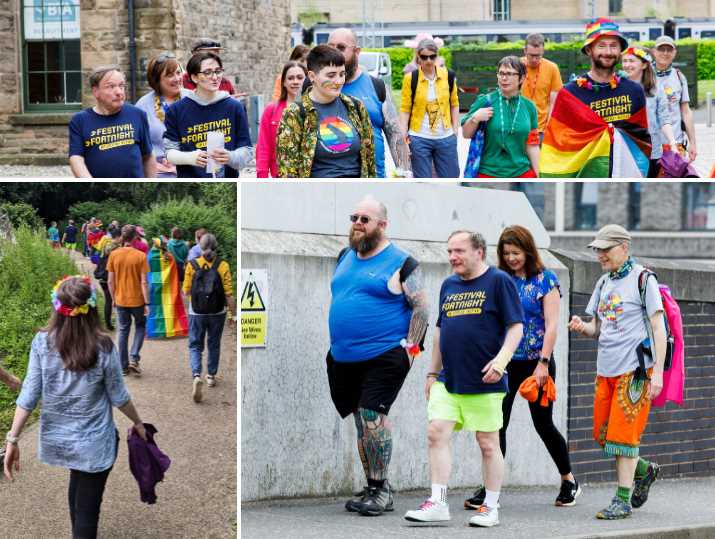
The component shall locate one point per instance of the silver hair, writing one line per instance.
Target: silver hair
(208, 246)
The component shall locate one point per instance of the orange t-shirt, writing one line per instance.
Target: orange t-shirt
(539, 84)
(128, 265)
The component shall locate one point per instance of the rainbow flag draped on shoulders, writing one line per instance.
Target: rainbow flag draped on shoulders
(578, 143)
(167, 315)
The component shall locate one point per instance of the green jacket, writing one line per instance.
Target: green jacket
(298, 136)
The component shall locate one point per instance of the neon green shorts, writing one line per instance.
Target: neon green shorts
(480, 412)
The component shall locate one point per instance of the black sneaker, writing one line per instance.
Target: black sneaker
(378, 501)
(642, 486)
(568, 494)
(353, 505)
(476, 501)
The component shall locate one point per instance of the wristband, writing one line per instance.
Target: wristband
(412, 349)
(545, 360)
(432, 375)
(501, 360)
(9, 438)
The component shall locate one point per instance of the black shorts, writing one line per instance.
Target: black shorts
(372, 384)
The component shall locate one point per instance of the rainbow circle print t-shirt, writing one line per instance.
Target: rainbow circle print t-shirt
(337, 152)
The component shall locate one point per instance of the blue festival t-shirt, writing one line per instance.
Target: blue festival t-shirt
(474, 316)
(112, 145)
(363, 89)
(188, 122)
(532, 292)
(337, 151)
(366, 319)
(614, 105)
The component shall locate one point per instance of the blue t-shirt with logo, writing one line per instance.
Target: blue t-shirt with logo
(366, 319)
(112, 145)
(337, 152)
(613, 105)
(532, 291)
(474, 316)
(363, 89)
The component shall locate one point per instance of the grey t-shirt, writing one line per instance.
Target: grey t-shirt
(622, 326)
(337, 153)
(674, 86)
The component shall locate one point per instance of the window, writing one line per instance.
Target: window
(634, 206)
(534, 192)
(502, 10)
(699, 206)
(51, 54)
(615, 7)
(685, 33)
(585, 206)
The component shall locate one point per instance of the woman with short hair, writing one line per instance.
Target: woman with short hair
(511, 139)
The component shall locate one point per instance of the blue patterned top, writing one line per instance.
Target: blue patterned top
(531, 291)
(76, 426)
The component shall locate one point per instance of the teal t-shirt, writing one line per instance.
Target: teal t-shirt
(504, 154)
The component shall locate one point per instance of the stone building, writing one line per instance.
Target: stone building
(48, 52)
(671, 219)
(345, 11)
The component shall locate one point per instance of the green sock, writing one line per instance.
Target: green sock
(624, 493)
(641, 467)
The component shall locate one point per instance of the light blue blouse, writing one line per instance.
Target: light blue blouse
(77, 429)
(658, 116)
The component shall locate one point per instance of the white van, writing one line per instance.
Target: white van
(378, 65)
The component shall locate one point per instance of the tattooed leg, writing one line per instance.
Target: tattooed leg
(377, 444)
(361, 443)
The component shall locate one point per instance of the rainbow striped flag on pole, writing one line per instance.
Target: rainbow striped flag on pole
(167, 316)
(578, 143)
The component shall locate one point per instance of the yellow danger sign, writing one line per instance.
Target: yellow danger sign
(254, 314)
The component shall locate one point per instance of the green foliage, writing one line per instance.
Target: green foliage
(190, 216)
(29, 268)
(706, 59)
(22, 214)
(224, 194)
(106, 210)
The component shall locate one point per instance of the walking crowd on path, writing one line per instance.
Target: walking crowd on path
(331, 119)
(78, 372)
(494, 338)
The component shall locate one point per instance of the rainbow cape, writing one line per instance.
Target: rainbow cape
(579, 144)
(167, 316)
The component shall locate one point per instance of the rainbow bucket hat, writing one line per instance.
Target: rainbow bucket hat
(601, 28)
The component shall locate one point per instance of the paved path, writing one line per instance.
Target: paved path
(198, 496)
(529, 513)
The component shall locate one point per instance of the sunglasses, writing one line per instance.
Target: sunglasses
(364, 219)
(164, 56)
(426, 57)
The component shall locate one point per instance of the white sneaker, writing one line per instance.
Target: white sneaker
(197, 389)
(210, 380)
(429, 511)
(486, 517)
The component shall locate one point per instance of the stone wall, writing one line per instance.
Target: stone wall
(678, 438)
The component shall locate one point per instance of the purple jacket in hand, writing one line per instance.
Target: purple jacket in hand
(147, 462)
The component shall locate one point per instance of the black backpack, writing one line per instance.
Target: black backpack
(207, 295)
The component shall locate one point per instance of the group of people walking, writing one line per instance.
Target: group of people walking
(74, 359)
(339, 126)
(494, 337)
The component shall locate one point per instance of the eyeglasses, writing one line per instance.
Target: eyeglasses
(342, 47)
(364, 219)
(606, 250)
(164, 56)
(426, 57)
(208, 73)
(507, 74)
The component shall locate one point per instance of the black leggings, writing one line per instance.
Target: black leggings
(107, 304)
(85, 499)
(540, 415)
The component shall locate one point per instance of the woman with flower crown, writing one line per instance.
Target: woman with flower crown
(74, 369)
(511, 141)
(638, 65)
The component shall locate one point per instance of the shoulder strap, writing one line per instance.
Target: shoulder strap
(414, 78)
(194, 264)
(341, 254)
(380, 89)
(408, 266)
(450, 79)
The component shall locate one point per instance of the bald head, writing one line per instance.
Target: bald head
(342, 35)
(373, 207)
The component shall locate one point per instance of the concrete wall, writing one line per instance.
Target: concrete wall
(293, 442)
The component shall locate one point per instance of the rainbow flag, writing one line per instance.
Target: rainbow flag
(579, 144)
(167, 316)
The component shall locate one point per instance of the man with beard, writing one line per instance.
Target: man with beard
(599, 124)
(377, 321)
(377, 100)
(543, 79)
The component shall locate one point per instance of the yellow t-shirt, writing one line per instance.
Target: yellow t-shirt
(538, 85)
(224, 271)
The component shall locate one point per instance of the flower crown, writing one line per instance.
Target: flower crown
(640, 53)
(80, 309)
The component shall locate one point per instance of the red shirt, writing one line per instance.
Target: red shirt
(225, 85)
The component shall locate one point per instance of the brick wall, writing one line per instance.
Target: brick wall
(681, 440)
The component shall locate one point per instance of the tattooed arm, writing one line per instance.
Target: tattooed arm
(416, 296)
(394, 134)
